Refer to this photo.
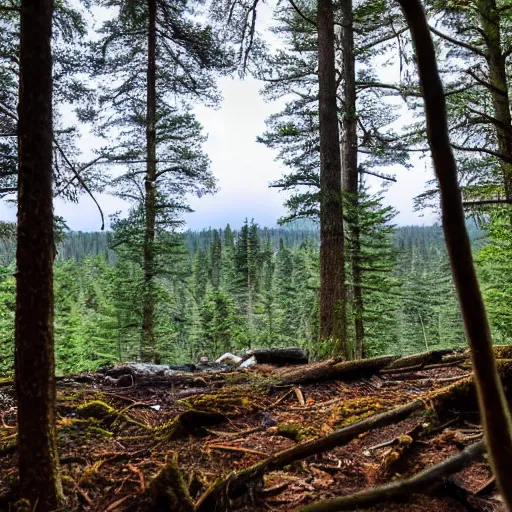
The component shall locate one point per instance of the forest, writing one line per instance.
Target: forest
(372, 363)
(205, 306)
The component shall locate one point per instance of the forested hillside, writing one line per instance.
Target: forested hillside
(106, 98)
(229, 290)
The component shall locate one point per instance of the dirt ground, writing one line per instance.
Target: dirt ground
(114, 440)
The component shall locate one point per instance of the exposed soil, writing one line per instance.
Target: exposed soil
(113, 441)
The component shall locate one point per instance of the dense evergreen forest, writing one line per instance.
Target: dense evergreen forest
(366, 86)
(230, 290)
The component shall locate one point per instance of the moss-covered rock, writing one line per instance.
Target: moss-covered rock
(294, 431)
(95, 409)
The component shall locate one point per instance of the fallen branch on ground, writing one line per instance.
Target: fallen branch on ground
(424, 481)
(334, 369)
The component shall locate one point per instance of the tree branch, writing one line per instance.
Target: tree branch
(80, 180)
(301, 14)
(501, 156)
(454, 41)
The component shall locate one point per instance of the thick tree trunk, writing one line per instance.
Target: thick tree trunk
(490, 22)
(34, 360)
(333, 324)
(349, 169)
(148, 349)
(496, 419)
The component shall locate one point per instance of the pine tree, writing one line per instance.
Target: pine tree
(178, 58)
(38, 460)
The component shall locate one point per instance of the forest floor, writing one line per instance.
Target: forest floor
(198, 428)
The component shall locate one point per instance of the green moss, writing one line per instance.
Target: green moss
(350, 411)
(168, 489)
(95, 409)
(225, 403)
(98, 432)
(295, 431)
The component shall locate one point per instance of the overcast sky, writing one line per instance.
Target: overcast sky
(243, 169)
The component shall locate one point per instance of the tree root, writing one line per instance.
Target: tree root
(424, 481)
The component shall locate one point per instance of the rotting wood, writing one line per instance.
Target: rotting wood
(424, 481)
(334, 369)
(422, 359)
(216, 497)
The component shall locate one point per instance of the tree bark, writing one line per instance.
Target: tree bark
(333, 324)
(490, 22)
(148, 349)
(349, 170)
(39, 471)
(496, 419)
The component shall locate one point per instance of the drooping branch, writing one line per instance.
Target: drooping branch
(454, 41)
(80, 180)
(301, 14)
(482, 202)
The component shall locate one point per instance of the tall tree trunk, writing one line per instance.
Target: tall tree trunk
(148, 349)
(497, 424)
(34, 359)
(349, 170)
(333, 323)
(490, 18)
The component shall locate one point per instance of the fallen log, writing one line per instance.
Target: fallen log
(277, 356)
(419, 360)
(424, 481)
(235, 484)
(335, 369)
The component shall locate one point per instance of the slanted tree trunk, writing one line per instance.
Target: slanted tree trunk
(38, 460)
(333, 323)
(148, 349)
(497, 424)
(349, 168)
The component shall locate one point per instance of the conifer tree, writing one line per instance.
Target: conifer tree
(178, 57)
(38, 460)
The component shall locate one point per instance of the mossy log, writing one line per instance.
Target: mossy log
(335, 369)
(426, 480)
(169, 491)
(418, 360)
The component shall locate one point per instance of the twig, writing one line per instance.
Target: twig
(279, 400)
(117, 503)
(299, 395)
(140, 474)
(235, 449)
